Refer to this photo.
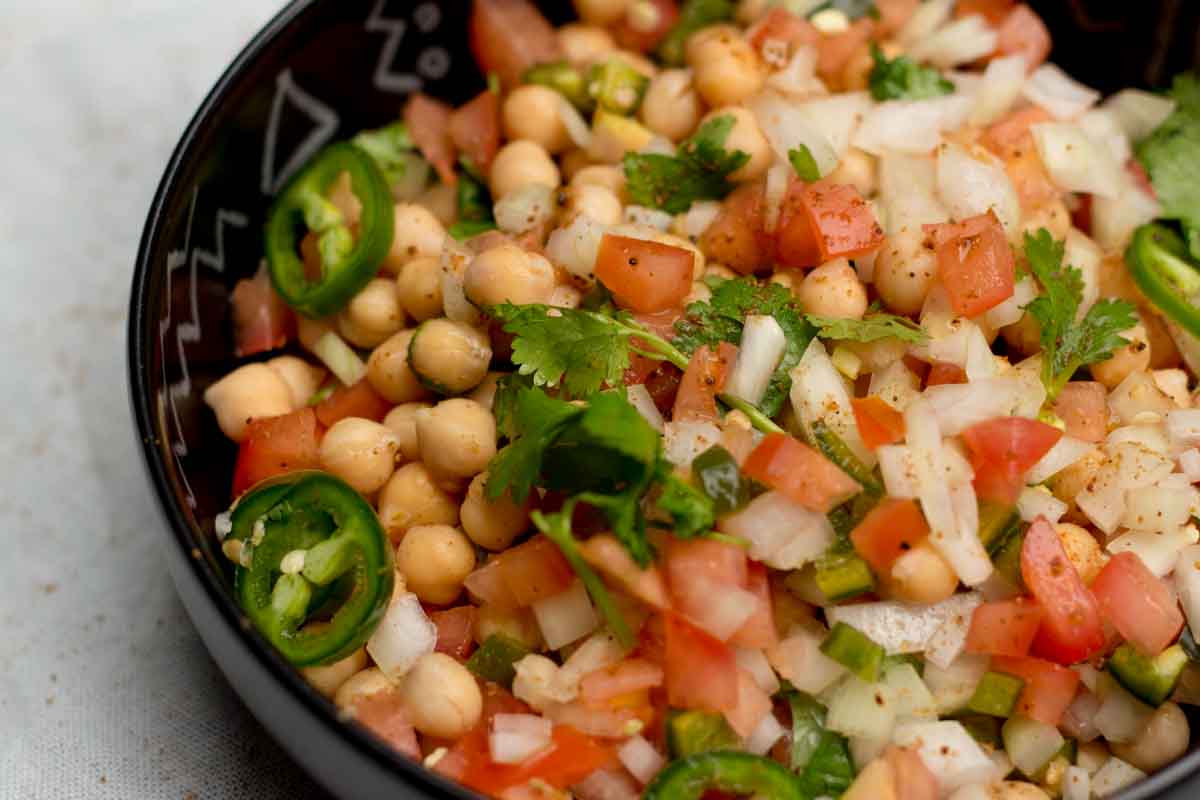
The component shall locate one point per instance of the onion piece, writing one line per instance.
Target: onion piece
(1183, 427)
(403, 636)
(639, 397)
(566, 617)
(962, 41)
(1033, 503)
(1074, 161)
(524, 208)
(860, 709)
(1082, 253)
(515, 737)
(1077, 720)
(838, 117)
(1103, 128)
(1030, 744)
(958, 406)
(1076, 784)
(948, 751)
(764, 736)
(578, 130)
(1189, 464)
(911, 126)
(1187, 583)
(651, 217)
(799, 77)
(1158, 551)
(1149, 436)
(345, 364)
(640, 758)
(1160, 508)
(819, 394)
(999, 89)
(683, 441)
(455, 259)
(603, 784)
(928, 17)
(755, 662)
(699, 217)
(782, 533)
(1013, 308)
(778, 177)
(969, 187)
(908, 191)
(1058, 93)
(1114, 219)
(798, 659)
(910, 697)
(1139, 112)
(1114, 776)
(902, 628)
(954, 685)
(1065, 452)
(574, 246)
(895, 464)
(600, 651)
(762, 345)
(788, 127)
(1122, 717)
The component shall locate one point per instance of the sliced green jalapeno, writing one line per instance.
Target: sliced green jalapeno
(725, 771)
(1159, 264)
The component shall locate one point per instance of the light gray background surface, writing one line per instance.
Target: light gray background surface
(105, 689)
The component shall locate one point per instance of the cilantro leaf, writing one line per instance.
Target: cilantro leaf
(1067, 344)
(694, 15)
(699, 170)
(1171, 156)
(904, 79)
(472, 197)
(391, 147)
(691, 511)
(721, 318)
(869, 329)
(535, 421)
(802, 161)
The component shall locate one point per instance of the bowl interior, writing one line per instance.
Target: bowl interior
(322, 71)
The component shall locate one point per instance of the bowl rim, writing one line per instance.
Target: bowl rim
(139, 358)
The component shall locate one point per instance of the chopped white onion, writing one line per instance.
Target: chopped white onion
(766, 733)
(603, 784)
(788, 127)
(1160, 508)
(515, 737)
(837, 117)
(332, 351)
(1121, 717)
(962, 41)
(683, 441)
(1114, 219)
(651, 217)
(968, 187)
(999, 89)
(900, 627)
(403, 636)
(1138, 466)
(1037, 502)
(908, 191)
(910, 697)
(537, 683)
(1013, 307)
(600, 651)
(578, 130)
(1059, 93)
(895, 384)
(958, 406)
(762, 344)
(953, 685)
(1183, 427)
(778, 177)
(911, 126)
(575, 245)
(640, 758)
(819, 394)
(1076, 784)
(1158, 551)
(1030, 744)
(799, 660)
(755, 662)
(455, 259)
(928, 17)
(1114, 776)
(1074, 161)
(896, 467)
(639, 397)
(566, 617)
(1138, 399)
(1189, 464)
(1139, 112)
(1103, 128)
(1103, 499)
(861, 709)
(782, 533)
(1151, 437)
(1077, 721)
(799, 78)
(699, 217)
(728, 610)
(948, 751)
(524, 208)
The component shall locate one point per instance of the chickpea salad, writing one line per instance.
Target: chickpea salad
(784, 400)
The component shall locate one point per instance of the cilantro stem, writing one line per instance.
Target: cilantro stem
(664, 349)
(757, 418)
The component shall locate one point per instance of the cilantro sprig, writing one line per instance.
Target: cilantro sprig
(1067, 344)
(699, 170)
(870, 328)
(1171, 156)
(904, 79)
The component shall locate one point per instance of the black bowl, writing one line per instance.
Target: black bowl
(320, 71)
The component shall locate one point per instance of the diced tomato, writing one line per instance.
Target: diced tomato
(606, 554)
(571, 757)
(428, 122)
(638, 370)
(1071, 628)
(1004, 628)
(1029, 176)
(508, 37)
(796, 243)
(630, 675)
(701, 672)
(800, 472)
(660, 323)
(993, 11)
(1002, 451)
(1081, 214)
(276, 446)
(975, 263)
(878, 423)
(1023, 31)
(1049, 688)
(1011, 134)
(893, 14)
(739, 441)
(703, 380)
(752, 705)
(889, 530)
(943, 372)
(535, 570)
(833, 51)
(454, 629)
(643, 275)
(486, 584)
(759, 631)
(1140, 176)
(630, 37)
(823, 220)
(383, 714)
(914, 781)
(663, 386)
(261, 320)
(475, 129)
(1138, 604)
(699, 572)
(1083, 408)
(781, 25)
(737, 238)
(359, 400)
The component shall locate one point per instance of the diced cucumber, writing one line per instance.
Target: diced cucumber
(855, 651)
(843, 574)
(1149, 679)
(496, 659)
(996, 695)
(833, 448)
(692, 732)
(997, 522)
(1030, 744)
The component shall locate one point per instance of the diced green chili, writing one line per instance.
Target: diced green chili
(693, 732)
(496, 659)
(1159, 264)
(836, 450)
(616, 86)
(1149, 679)
(734, 772)
(565, 79)
(855, 651)
(717, 473)
(996, 694)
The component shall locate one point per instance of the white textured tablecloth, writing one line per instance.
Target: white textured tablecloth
(105, 689)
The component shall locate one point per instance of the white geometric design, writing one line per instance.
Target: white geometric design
(326, 120)
(385, 79)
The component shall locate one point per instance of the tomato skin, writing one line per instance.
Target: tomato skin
(629, 38)
(993, 11)
(943, 372)
(888, 531)
(1083, 408)
(1004, 628)
(914, 781)
(702, 382)
(383, 714)
(645, 276)
(737, 238)
(630, 675)
(834, 51)
(522, 575)
(1071, 629)
(261, 320)
(1003, 450)
(1010, 135)
(698, 569)
(606, 554)
(759, 631)
(975, 263)
(275, 446)
(795, 236)
(893, 14)
(475, 129)
(1138, 604)
(878, 423)
(571, 757)
(359, 400)
(752, 705)
(781, 25)
(1024, 32)
(428, 122)
(842, 222)
(1049, 688)
(800, 472)
(700, 670)
(454, 626)
(510, 36)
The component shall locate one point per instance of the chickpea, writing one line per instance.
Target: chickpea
(250, 391)
(921, 575)
(747, 137)
(1082, 550)
(506, 273)
(1024, 335)
(520, 163)
(1016, 790)
(492, 524)
(360, 452)
(606, 175)
(1068, 482)
(573, 161)
(531, 112)
(389, 373)
(372, 315)
(402, 421)
(595, 202)
(412, 498)
(1133, 357)
(834, 290)
(328, 678)
(435, 560)
(1053, 216)
(441, 697)
(518, 624)
(1164, 739)
(451, 357)
(485, 392)
(442, 201)
(601, 12)
(727, 68)
(417, 232)
(877, 781)
(583, 44)
(672, 106)
(419, 288)
(857, 169)
(303, 379)
(905, 268)
(457, 438)
(359, 685)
